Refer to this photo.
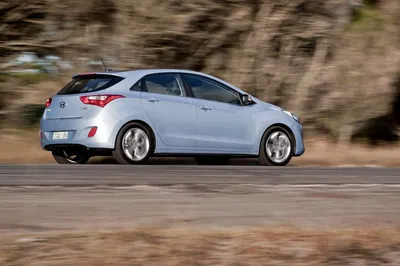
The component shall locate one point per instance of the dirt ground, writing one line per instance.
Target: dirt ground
(160, 247)
(24, 148)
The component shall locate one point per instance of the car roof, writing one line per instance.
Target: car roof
(144, 72)
(139, 73)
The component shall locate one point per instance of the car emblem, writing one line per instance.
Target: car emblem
(62, 104)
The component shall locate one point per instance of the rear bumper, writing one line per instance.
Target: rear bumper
(78, 130)
(53, 147)
(77, 147)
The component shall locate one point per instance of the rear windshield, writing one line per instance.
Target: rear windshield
(90, 83)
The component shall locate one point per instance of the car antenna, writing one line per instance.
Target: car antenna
(105, 67)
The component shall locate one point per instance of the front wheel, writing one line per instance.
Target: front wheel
(276, 147)
(71, 156)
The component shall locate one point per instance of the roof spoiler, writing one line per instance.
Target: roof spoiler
(109, 73)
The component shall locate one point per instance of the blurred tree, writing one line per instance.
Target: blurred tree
(319, 58)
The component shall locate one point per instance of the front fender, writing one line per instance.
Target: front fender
(270, 118)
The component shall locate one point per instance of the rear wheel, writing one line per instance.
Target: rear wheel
(71, 156)
(134, 144)
(276, 147)
(212, 160)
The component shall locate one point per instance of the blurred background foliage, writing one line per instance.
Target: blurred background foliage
(336, 63)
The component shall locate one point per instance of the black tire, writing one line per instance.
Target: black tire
(263, 157)
(212, 160)
(71, 156)
(118, 152)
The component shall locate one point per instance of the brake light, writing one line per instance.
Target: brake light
(99, 100)
(92, 132)
(48, 102)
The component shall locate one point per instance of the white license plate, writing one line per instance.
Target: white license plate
(60, 135)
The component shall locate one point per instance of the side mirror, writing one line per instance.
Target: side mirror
(246, 99)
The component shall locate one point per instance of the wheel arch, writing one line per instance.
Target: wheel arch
(145, 125)
(288, 129)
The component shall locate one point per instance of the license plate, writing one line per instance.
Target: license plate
(60, 135)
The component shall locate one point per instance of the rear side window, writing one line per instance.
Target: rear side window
(163, 84)
(89, 83)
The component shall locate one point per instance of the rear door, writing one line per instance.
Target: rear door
(67, 104)
(172, 113)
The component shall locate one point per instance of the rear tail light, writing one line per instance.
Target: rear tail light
(92, 132)
(48, 102)
(99, 100)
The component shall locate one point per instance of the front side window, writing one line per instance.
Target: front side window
(163, 84)
(207, 89)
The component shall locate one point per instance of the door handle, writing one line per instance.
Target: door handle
(205, 108)
(153, 100)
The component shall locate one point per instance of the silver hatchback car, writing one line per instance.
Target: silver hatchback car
(133, 115)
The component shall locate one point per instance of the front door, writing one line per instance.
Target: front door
(223, 122)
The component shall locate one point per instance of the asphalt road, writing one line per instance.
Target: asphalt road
(119, 175)
(36, 198)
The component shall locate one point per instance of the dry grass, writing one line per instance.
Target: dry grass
(321, 152)
(23, 147)
(182, 247)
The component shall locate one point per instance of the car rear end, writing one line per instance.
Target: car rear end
(77, 116)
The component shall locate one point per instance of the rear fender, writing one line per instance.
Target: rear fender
(128, 110)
